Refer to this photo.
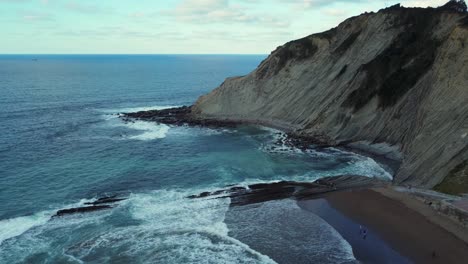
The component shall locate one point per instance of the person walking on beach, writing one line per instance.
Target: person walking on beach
(362, 231)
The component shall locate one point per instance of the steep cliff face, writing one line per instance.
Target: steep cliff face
(398, 77)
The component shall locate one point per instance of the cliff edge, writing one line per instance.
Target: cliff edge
(395, 82)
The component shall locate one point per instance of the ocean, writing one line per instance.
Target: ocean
(62, 144)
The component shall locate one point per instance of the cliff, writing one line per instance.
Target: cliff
(395, 81)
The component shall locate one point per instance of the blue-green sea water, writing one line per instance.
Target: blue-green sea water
(61, 144)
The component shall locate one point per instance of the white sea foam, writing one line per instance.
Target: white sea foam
(150, 130)
(363, 165)
(171, 229)
(359, 164)
(278, 143)
(16, 226)
(369, 167)
(171, 212)
(138, 109)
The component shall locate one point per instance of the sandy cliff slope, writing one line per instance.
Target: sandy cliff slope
(397, 78)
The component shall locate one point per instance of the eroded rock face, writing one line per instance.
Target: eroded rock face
(399, 76)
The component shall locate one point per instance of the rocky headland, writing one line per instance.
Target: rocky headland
(392, 83)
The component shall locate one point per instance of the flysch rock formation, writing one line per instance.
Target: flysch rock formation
(393, 82)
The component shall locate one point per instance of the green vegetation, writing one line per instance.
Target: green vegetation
(347, 43)
(342, 71)
(295, 50)
(455, 5)
(456, 182)
(399, 67)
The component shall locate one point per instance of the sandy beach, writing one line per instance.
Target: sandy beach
(399, 228)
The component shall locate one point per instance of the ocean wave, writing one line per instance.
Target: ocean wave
(154, 130)
(150, 130)
(137, 109)
(369, 167)
(193, 223)
(13, 227)
(17, 226)
(170, 228)
(362, 165)
(162, 227)
(277, 143)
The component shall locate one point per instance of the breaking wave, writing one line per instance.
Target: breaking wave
(160, 227)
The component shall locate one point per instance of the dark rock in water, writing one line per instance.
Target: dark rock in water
(177, 116)
(201, 195)
(234, 189)
(85, 209)
(262, 192)
(105, 200)
(237, 189)
(303, 142)
(99, 204)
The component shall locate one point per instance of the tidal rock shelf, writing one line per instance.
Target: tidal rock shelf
(183, 116)
(263, 192)
(84, 209)
(99, 204)
(176, 116)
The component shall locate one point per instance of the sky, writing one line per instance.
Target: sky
(171, 26)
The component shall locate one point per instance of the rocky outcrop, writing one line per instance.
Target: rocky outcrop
(395, 81)
(263, 192)
(177, 116)
(99, 204)
(84, 209)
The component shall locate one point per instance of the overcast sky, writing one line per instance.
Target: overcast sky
(171, 26)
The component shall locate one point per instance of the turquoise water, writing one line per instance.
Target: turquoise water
(61, 145)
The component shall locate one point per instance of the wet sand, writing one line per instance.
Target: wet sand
(407, 232)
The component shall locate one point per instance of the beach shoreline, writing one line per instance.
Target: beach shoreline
(411, 231)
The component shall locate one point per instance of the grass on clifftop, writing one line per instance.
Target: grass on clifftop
(456, 181)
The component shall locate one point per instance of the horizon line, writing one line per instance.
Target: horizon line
(46, 54)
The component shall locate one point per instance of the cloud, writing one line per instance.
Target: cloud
(221, 11)
(241, 36)
(35, 16)
(121, 32)
(138, 14)
(335, 12)
(85, 8)
(14, 1)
